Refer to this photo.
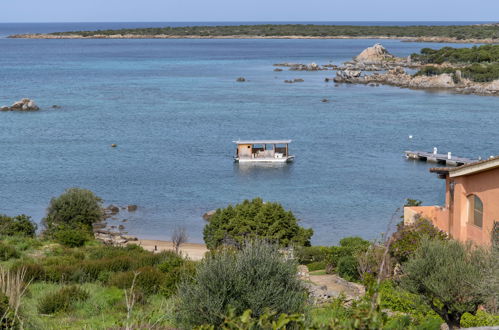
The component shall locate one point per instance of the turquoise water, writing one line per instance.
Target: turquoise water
(174, 107)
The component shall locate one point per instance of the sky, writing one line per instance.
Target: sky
(246, 10)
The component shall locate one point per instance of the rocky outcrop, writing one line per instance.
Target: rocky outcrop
(293, 81)
(390, 70)
(207, 216)
(376, 54)
(377, 58)
(303, 67)
(22, 105)
(398, 77)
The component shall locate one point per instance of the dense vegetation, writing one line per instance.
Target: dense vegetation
(48, 284)
(257, 278)
(478, 63)
(234, 225)
(268, 30)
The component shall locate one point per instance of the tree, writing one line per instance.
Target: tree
(76, 208)
(179, 237)
(407, 238)
(255, 219)
(18, 225)
(257, 277)
(449, 276)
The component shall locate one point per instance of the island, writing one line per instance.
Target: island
(476, 33)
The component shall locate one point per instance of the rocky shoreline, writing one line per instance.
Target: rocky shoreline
(165, 36)
(386, 69)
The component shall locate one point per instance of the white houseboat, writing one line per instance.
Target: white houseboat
(256, 151)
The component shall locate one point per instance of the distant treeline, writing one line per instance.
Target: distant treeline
(479, 63)
(460, 32)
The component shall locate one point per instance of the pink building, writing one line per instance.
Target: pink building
(471, 202)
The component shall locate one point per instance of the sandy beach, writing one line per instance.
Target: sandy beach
(194, 251)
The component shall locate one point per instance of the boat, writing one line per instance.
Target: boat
(263, 151)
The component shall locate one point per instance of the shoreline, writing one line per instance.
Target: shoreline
(194, 251)
(164, 36)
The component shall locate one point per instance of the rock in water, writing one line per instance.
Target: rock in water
(132, 208)
(374, 55)
(209, 214)
(241, 79)
(23, 105)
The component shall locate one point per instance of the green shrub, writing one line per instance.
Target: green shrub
(34, 271)
(255, 220)
(71, 237)
(174, 276)
(481, 319)
(348, 268)
(6, 318)
(319, 265)
(74, 208)
(149, 280)
(266, 321)
(310, 254)
(62, 300)
(7, 252)
(448, 276)
(349, 247)
(18, 225)
(397, 299)
(407, 238)
(257, 277)
(60, 273)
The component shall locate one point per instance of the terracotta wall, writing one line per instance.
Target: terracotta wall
(486, 186)
(439, 215)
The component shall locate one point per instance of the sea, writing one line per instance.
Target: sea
(174, 108)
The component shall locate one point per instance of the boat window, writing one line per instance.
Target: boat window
(475, 210)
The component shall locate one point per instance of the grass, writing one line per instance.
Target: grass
(104, 309)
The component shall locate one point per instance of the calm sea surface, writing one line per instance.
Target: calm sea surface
(174, 108)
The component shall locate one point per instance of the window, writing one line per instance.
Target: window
(475, 215)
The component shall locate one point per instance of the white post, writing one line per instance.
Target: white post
(435, 150)
(449, 155)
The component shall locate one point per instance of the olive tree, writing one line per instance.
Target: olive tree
(256, 277)
(449, 276)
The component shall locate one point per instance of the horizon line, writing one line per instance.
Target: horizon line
(250, 21)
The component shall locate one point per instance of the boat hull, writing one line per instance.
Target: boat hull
(264, 160)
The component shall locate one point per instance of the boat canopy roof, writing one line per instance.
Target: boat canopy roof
(262, 141)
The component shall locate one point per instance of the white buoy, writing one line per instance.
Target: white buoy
(410, 136)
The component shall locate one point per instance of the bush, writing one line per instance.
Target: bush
(18, 225)
(62, 300)
(448, 276)
(310, 254)
(6, 318)
(184, 272)
(257, 277)
(149, 280)
(255, 220)
(34, 272)
(71, 237)
(74, 208)
(407, 238)
(348, 268)
(7, 252)
(349, 247)
(481, 319)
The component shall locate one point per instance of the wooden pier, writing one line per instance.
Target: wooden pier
(435, 157)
